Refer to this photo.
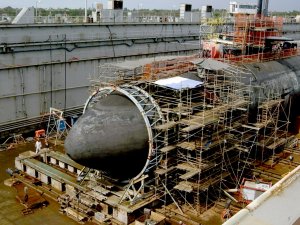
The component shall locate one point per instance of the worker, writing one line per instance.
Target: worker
(38, 146)
(25, 194)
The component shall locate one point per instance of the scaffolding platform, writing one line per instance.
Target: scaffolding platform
(184, 110)
(264, 123)
(162, 171)
(191, 146)
(166, 126)
(257, 128)
(168, 148)
(239, 104)
(189, 186)
(189, 174)
(211, 181)
(277, 143)
(271, 103)
(198, 122)
(199, 167)
(186, 166)
(184, 186)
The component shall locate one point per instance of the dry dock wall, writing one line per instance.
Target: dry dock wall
(50, 64)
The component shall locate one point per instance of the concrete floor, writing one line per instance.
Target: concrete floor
(10, 208)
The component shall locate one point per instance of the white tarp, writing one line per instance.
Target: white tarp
(178, 83)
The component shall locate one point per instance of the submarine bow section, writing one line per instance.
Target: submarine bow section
(116, 133)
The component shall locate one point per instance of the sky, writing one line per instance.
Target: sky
(275, 5)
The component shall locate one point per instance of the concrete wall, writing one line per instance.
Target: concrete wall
(56, 184)
(18, 164)
(43, 178)
(31, 172)
(53, 161)
(120, 215)
(50, 65)
(71, 169)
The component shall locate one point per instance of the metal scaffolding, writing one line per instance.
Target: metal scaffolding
(202, 140)
(210, 142)
(273, 124)
(57, 125)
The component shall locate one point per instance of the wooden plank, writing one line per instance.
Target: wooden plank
(242, 109)
(184, 110)
(242, 149)
(277, 143)
(161, 171)
(270, 103)
(192, 127)
(186, 166)
(198, 122)
(187, 145)
(251, 127)
(168, 148)
(166, 126)
(183, 186)
(189, 174)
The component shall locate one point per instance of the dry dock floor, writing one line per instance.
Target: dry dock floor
(11, 209)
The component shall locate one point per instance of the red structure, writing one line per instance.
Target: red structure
(254, 38)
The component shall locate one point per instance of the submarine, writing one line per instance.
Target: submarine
(110, 136)
(115, 134)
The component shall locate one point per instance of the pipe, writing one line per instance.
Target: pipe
(85, 12)
(266, 8)
(230, 196)
(259, 7)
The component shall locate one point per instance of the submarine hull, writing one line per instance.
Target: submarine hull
(110, 136)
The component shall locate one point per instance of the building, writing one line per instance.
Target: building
(244, 8)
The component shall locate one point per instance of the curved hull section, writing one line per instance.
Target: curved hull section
(278, 77)
(110, 136)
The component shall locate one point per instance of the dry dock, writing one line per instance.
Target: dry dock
(11, 209)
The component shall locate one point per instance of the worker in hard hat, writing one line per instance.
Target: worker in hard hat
(38, 146)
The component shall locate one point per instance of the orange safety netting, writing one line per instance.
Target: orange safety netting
(252, 29)
(167, 68)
